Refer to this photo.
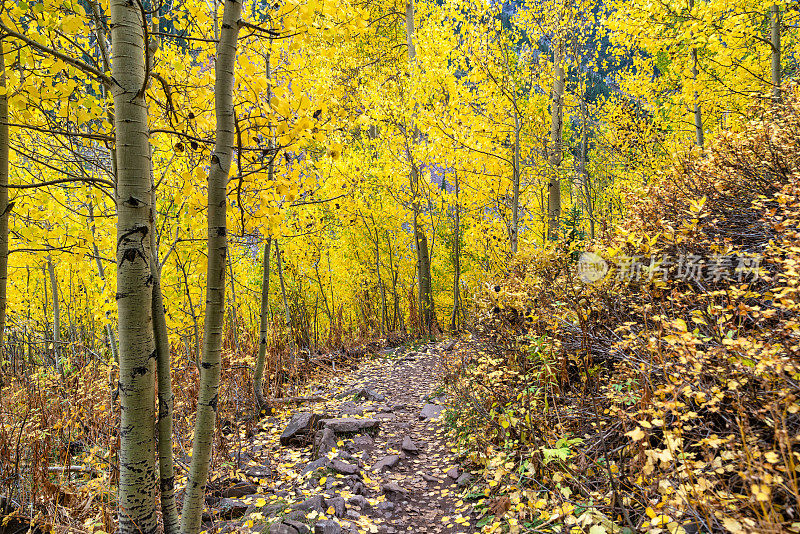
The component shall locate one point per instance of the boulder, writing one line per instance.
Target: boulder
(409, 446)
(299, 426)
(344, 468)
(315, 503)
(350, 425)
(258, 471)
(385, 463)
(240, 489)
(319, 463)
(327, 526)
(453, 473)
(282, 528)
(431, 411)
(393, 488)
(324, 442)
(337, 503)
(232, 508)
(301, 528)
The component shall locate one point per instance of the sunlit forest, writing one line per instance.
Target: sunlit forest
(435, 266)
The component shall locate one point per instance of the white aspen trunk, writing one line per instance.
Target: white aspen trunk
(137, 485)
(166, 465)
(109, 327)
(262, 332)
(698, 113)
(775, 39)
(210, 367)
(5, 208)
(426, 310)
(516, 179)
(556, 128)
(51, 269)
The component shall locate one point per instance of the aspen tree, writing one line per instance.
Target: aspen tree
(5, 208)
(556, 129)
(137, 484)
(219, 170)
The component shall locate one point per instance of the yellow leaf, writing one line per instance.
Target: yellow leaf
(636, 434)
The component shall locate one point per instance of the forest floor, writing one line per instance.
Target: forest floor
(372, 455)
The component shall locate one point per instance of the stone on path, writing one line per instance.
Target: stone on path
(319, 463)
(324, 442)
(301, 528)
(431, 411)
(337, 503)
(393, 487)
(312, 503)
(453, 473)
(350, 424)
(344, 468)
(409, 446)
(327, 526)
(240, 489)
(387, 462)
(298, 426)
(430, 478)
(282, 528)
(464, 479)
(258, 471)
(232, 508)
(370, 394)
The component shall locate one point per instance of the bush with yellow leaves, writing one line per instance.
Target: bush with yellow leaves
(662, 397)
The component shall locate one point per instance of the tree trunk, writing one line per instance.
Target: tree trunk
(556, 128)
(426, 310)
(286, 308)
(5, 208)
(219, 170)
(137, 483)
(166, 465)
(516, 179)
(457, 263)
(51, 269)
(775, 39)
(109, 327)
(698, 113)
(262, 332)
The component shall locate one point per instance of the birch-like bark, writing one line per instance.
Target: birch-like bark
(5, 208)
(775, 39)
(51, 269)
(286, 309)
(556, 128)
(699, 136)
(426, 310)
(166, 399)
(457, 262)
(516, 179)
(111, 337)
(220, 165)
(262, 332)
(137, 357)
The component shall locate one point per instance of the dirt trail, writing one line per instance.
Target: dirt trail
(383, 465)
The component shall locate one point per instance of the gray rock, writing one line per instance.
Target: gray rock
(324, 442)
(350, 408)
(430, 478)
(431, 411)
(399, 406)
(338, 505)
(352, 515)
(327, 526)
(344, 468)
(453, 473)
(240, 489)
(363, 443)
(319, 463)
(350, 424)
(258, 471)
(385, 506)
(393, 488)
(387, 462)
(360, 501)
(232, 508)
(409, 446)
(312, 503)
(447, 347)
(282, 528)
(301, 528)
(298, 426)
(464, 479)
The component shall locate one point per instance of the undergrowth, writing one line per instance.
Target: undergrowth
(662, 397)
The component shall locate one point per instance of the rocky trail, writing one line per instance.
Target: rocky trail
(371, 456)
